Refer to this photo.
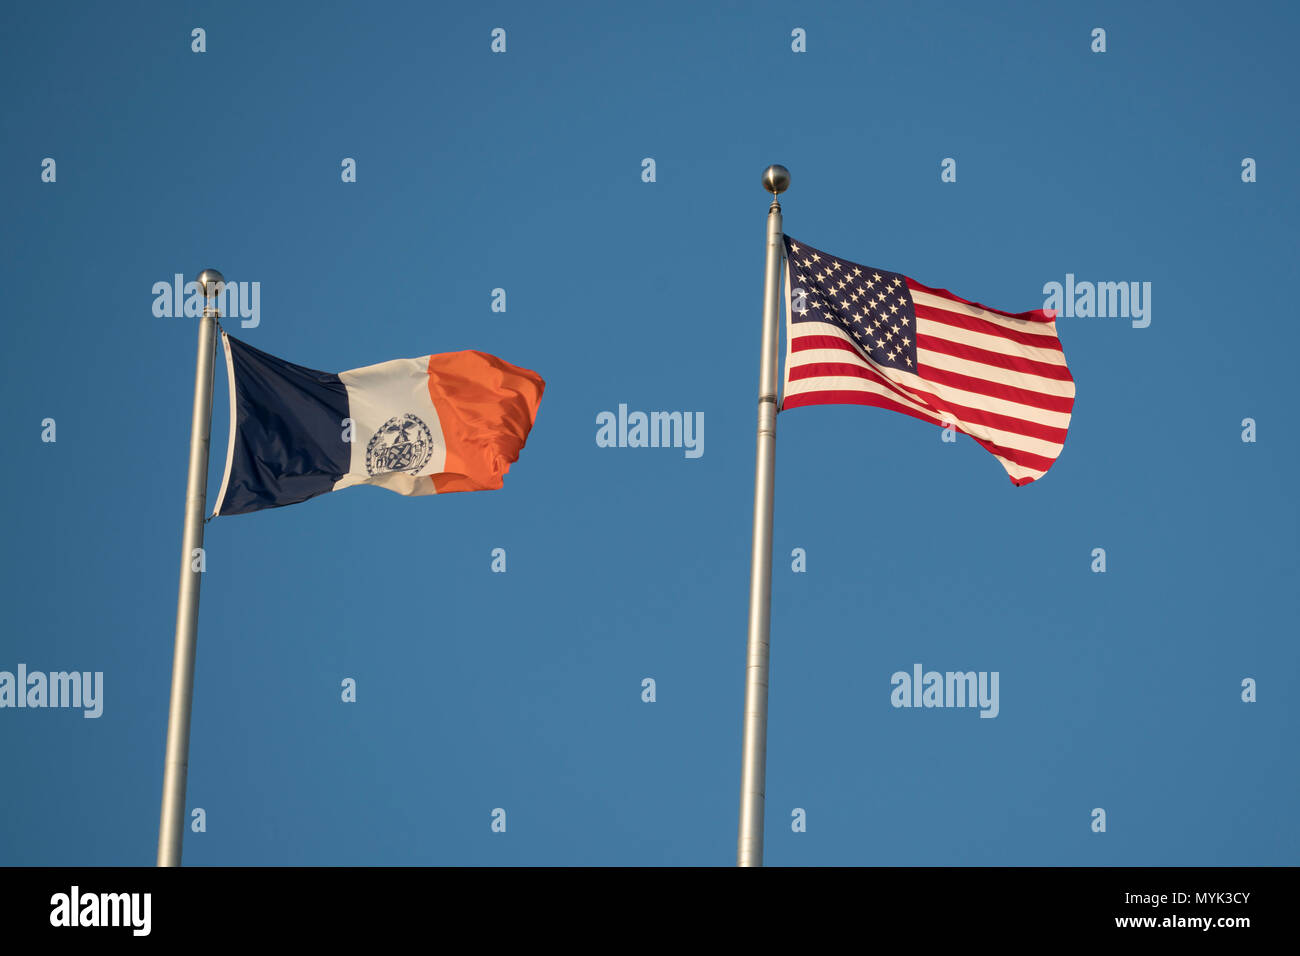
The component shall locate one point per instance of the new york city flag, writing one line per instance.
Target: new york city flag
(418, 426)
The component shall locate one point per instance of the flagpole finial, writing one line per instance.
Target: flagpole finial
(776, 179)
(210, 282)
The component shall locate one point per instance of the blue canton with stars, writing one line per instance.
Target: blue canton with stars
(873, 306)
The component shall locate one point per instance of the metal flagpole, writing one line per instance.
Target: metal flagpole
(753, 769)
(171, 824)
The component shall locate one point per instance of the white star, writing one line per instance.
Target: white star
(816, 258)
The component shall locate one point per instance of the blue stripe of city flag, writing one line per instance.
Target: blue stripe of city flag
(289, 432)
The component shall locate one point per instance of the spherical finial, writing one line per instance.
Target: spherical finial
(208, 281)
(776, 179)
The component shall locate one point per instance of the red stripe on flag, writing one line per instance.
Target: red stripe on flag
(982, 386)
(959, 414)
(972, 324)
(1013, 363)
(861, 370)
(1023, 458)
(1037, 315)
(805, 342)
(841, 397)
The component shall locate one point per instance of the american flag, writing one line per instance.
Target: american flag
(861, 336)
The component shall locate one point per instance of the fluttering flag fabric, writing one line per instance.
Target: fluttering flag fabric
(862, 336)
(419, 426)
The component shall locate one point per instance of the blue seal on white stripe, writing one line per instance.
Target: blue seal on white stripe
(403, 443)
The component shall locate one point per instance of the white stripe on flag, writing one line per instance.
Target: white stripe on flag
(846, 383)
(961, 308)
(989, 343)
(915, 383)
(991, 373)
(376, 395)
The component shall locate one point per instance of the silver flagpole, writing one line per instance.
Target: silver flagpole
(171, 824)
(753, 765)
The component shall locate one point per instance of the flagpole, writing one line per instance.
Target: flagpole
(171, 824)
(753, 769)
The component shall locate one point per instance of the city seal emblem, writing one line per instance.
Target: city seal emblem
(403, 443)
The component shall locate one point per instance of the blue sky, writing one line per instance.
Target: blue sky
(522, 690)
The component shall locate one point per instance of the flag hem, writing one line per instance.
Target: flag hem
(785, 375)
(230, 445)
